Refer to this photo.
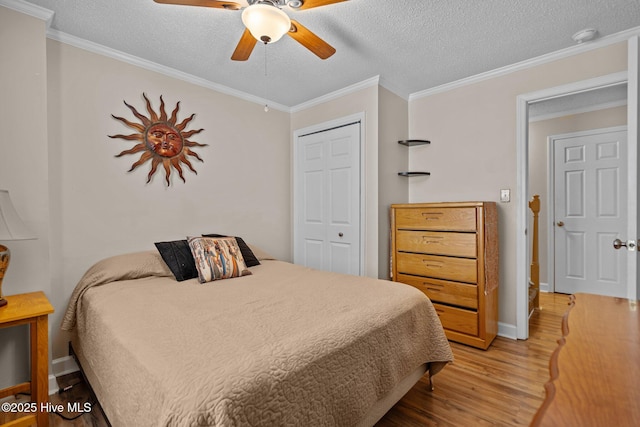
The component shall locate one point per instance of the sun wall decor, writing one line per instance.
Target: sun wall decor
(160, 139)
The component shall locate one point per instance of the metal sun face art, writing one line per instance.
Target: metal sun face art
(160, 139)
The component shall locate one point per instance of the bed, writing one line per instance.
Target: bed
(281, 345)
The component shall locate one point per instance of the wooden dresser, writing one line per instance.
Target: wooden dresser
(450, 252)
(595, 370)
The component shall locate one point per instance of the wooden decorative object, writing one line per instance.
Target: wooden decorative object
(161, 139)
(31, 309)
(450, 252)
(534, 272)
(594, 373)
(5, 257)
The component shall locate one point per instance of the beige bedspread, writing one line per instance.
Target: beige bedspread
(287, 345)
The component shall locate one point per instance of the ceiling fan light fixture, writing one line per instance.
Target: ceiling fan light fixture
(267, 23)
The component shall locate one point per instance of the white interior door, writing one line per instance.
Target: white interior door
(590, 203)
(327, 200)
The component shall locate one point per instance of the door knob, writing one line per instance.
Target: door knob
(617, 244)
(340, 234)
(560, 224)
(629, 244)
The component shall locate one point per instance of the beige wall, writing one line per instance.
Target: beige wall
(362, 101)
(241, 188)
(539, 131)
(24, 171)
(60, 167)
(392, 158)
(473, 143)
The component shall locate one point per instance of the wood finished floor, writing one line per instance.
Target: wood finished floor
(502, 386)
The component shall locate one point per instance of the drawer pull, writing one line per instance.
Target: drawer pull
(431, 264)
(430, 216)
(433, 287)
(432, 240)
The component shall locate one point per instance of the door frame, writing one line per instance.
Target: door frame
(551, 229)
(522, 171)
(320, 127)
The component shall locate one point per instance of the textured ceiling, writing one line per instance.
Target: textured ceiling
(413, 45)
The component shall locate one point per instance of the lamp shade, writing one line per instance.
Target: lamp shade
(266, 22)
(11, 226)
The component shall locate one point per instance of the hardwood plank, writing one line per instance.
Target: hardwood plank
(500, 386)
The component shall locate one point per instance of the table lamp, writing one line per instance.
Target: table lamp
(11, 228)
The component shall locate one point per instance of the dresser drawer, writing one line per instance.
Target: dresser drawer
(437, 242)
(460, 219)
(439, 267)
(460, 294)
(458, 319)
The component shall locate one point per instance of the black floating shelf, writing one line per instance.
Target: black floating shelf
(413, 142)
(414, 173)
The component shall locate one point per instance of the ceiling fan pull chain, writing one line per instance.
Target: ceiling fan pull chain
(266, 105)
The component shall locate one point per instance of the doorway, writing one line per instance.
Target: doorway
(524, 102)
(327, 198)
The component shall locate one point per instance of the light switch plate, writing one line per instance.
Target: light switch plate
(505, 195)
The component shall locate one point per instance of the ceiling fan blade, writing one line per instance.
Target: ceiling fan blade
(245, 47)
(204, 3)
(309, 40)
(308, 4)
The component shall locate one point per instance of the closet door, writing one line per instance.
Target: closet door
(327, 200)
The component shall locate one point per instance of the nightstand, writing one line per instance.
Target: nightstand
(33, 309)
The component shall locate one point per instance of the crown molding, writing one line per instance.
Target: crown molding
(161, 69)
(47, 16)
(373, 81)
(392, 88)
(529, 63)
(29, 9)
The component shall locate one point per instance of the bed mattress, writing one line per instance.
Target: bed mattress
(286, 345)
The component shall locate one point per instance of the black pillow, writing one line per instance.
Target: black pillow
(249, 258)
(178, 257)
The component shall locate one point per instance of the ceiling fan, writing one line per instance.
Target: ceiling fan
(266, 21)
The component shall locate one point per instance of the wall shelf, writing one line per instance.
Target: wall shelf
(413, 143)
(414, 173)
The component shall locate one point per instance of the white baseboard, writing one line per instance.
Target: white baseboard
(507, 331)
(510, 331)
(61, 366)
(53, 385)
